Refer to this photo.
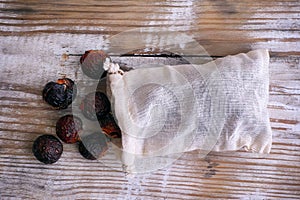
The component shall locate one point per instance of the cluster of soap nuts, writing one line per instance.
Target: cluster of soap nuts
(60, 94)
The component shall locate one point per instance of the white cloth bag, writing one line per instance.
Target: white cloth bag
(167, 110)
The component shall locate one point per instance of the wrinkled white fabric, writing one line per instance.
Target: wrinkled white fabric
(166, 110)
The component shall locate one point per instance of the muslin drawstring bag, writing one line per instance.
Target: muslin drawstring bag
(167, 110)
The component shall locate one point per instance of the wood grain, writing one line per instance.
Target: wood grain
(222, 28)
(41, 41)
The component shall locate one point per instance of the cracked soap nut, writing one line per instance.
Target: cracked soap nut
(68, 128)
(47, 149)
(92, 63)
(110, 127)
(95, 106)
(93, 146)
(61, 93)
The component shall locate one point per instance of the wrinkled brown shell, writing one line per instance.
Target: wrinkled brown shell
(47, 149)
(68, 128)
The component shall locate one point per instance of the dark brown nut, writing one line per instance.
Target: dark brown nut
(60, 94)
(85, 153)
(95, 106)
(110, 127)
(93, 146)
(68, 128)
(47, 149)
(92, 63)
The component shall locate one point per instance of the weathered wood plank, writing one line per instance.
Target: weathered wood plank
(257, 176)
(221, 28)
(41, 41)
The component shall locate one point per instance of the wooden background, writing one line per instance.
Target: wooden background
(42, 40)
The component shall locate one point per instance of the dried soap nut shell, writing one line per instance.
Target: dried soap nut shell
(95, 106)
(68, 128)
(47, 149)
(92, 63)
(93, 146)
(60, 94)
(110, 127)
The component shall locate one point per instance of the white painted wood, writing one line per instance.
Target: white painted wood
(41, 41)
